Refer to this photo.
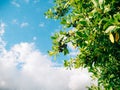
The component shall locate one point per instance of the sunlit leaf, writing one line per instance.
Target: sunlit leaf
(111, 37)
(95, 2)
(110, 28)
(51, 53)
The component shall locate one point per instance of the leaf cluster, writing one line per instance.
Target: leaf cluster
(96, 29)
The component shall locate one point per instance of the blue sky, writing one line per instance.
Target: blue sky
(24, 42)
(26, 22)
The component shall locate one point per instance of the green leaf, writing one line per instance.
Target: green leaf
(63, 21)
(51, 53)
(66, 63)
(66, 51)
(116, 37)
(93, 21)
(110, 29)
(53, 37)
(95, 3)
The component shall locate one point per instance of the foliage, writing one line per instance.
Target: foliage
(96, 30)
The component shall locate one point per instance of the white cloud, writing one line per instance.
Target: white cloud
(37, 71)
(73, 50)
(74, 53)
(50, 1)
(15, 3)
(27, 1)
(24, 24)
(24, 67)
(2, 43)
(79, 81)
(41, 24)
(15, 21)
(34, 38)
(71, 46)
(36, 1)
(2, 27)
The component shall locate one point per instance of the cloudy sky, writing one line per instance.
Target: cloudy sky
(24, 42)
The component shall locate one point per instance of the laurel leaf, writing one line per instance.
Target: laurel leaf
(111, 37)
(110, 28)
(116, 37)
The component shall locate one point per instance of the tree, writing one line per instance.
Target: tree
(95, 32)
